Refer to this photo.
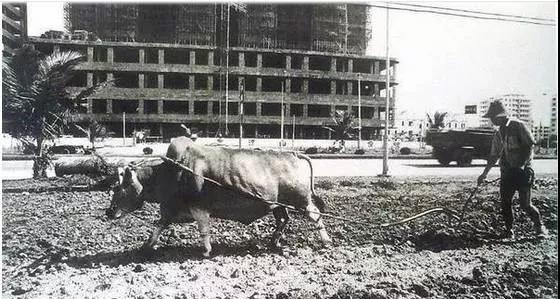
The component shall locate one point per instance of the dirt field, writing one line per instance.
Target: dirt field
(61, 245)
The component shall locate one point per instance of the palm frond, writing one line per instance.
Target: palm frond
(93, 90)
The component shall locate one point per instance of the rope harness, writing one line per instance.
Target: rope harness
(450, 213)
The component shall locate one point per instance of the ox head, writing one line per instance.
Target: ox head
(125, 196)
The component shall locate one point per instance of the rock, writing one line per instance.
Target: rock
(139, 268)
(235, 274)
(478, 274)
(421, 290)
(20, 291)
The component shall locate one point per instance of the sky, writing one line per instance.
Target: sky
(445, 62)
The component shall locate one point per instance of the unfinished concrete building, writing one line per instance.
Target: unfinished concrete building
(170, 67)
(14, 26)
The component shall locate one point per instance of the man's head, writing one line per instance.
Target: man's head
(497, 113)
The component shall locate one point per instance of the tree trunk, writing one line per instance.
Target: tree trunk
(93, 166)
(40, 161)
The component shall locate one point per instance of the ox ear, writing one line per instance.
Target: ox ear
(120, 172)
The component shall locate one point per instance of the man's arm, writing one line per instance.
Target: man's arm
(495, 154)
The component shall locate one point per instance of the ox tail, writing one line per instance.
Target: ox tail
(318, 201)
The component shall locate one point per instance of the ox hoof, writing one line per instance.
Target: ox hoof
(147, 249)
(206, 254)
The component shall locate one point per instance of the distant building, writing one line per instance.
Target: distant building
(518, 106)
(554, 116)
(540, 132)
(14, 26)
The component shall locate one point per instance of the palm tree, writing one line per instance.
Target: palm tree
(93, 131)
(35, 103)
(343, 126)
(438, 121)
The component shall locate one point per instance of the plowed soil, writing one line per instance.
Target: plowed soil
(60, 244)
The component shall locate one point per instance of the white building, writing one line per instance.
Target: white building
(540, 132)
(518, 106)
(554, 116)
(413, 128)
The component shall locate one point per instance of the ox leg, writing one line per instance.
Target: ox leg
(151, 242)
(281, 216)
(313, 214)
(203, 220)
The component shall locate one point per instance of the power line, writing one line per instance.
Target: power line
(473, 11)
(460, 15)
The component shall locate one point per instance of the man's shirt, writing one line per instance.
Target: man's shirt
(513, 145)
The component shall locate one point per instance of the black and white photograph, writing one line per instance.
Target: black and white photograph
(279, 149)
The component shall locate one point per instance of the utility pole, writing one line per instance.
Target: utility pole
(293, 130)
(124, 128)
(359, 111)
(387, 95)
(282, 119)
(227, 71)
(241, 100)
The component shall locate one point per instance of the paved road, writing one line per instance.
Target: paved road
(347, 167)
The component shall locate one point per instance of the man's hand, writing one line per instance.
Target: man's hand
(481, 179)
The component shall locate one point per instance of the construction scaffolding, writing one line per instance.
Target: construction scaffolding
(338, 28)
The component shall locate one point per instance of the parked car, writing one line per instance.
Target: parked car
(67, 149)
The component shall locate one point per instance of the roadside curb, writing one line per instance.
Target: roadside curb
(312, 156)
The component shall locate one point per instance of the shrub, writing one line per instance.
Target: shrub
(147, 150)
(359, 152)
(311, 150)
(405, 151)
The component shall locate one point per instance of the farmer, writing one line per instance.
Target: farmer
(513, 146)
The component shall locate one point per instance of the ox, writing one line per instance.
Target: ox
(239, 185)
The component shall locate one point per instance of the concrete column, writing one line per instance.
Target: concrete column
(305, 66)
(160, 81)
(350, 65)
(333, 64)
(288, 85)
(210, 58)
(259, 84)
(305, 109)
(141, 56)
(241, 59)
(288, 62)
(110, 56)
(89, 106)
(349, 87)
(140, 106)
(161, 56)
(333, 109)
(109, 76)
(394, 73)
(256, 131)
(141, 83)
(56, 48)
(191, 107)
(259, 60)
(305, 86)
(89, 79)
(160, 106)
(192, 57)
(333, 86)
(371, 68)
(210, 84)
(191, 82)
(210, 107)
(110, 106)
(376, 89)
(259, 109)
(287, 116)
(90, 54)
(161, 130)
(376, 67)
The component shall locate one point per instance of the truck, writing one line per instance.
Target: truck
(461, 146)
